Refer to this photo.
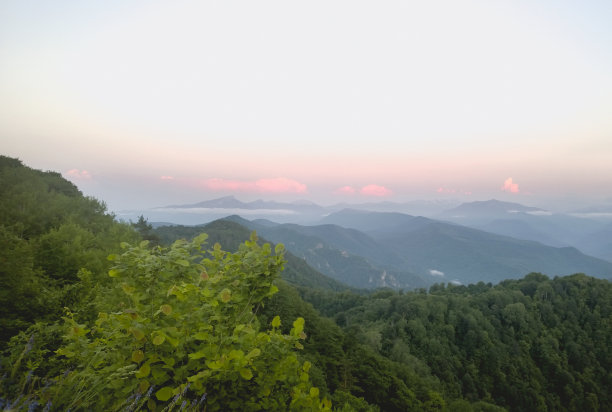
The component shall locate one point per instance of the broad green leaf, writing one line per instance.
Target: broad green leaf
(138, 334)
(235, 354)
(164, 393)
(137, 356)
(197, 355)
(173, 341)
(200, 375)
(158, 339)
(113, 273)
(183, 262)
(144, 371)
(214, 365)
(246, 373)
(201, 336)
(276, 322)
(166, 309)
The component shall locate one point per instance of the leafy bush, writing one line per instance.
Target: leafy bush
(179, 330)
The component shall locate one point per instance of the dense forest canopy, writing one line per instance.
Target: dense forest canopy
(97, 314)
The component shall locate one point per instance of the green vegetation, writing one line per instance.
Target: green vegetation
(51, 237)
(231, 234)
(151, 328)
(529, 344)
(101, 315)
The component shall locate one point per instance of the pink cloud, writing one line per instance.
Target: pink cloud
(77, 174)
(224, 184)
(375, 190)
(510, 186)
(280, 185)
(273, 185)
(166, 177)
(345, 190)
(442, 189)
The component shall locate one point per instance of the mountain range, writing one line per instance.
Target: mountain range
(479, 241)
(591, 236)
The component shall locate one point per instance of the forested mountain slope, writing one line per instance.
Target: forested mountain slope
(51, 237)
(589, 235)
(464, 254)
(231, 234)
(346, 255)
(534, 344)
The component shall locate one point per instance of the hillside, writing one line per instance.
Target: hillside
(231, 235)
(582, 231)
(51, 236)
(464, 254)
(343, 254)
(529, 344)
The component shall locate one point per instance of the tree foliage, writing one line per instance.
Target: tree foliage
(529, 344)
(49, 231)
(179, 325)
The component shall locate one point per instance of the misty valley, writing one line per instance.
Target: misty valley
(265, 305)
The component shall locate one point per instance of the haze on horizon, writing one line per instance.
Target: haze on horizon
(150, 103)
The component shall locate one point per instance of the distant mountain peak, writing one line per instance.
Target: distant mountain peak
(304, 202)
(232, 204)
(226, 202)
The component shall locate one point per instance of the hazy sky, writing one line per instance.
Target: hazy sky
(148, 103)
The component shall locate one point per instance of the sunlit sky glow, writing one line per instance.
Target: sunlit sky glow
(148, 103)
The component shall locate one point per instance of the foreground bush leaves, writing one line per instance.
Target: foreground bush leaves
(179, 328)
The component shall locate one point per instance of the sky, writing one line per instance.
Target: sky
(150, 103)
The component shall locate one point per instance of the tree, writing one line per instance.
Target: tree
(146, 230)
